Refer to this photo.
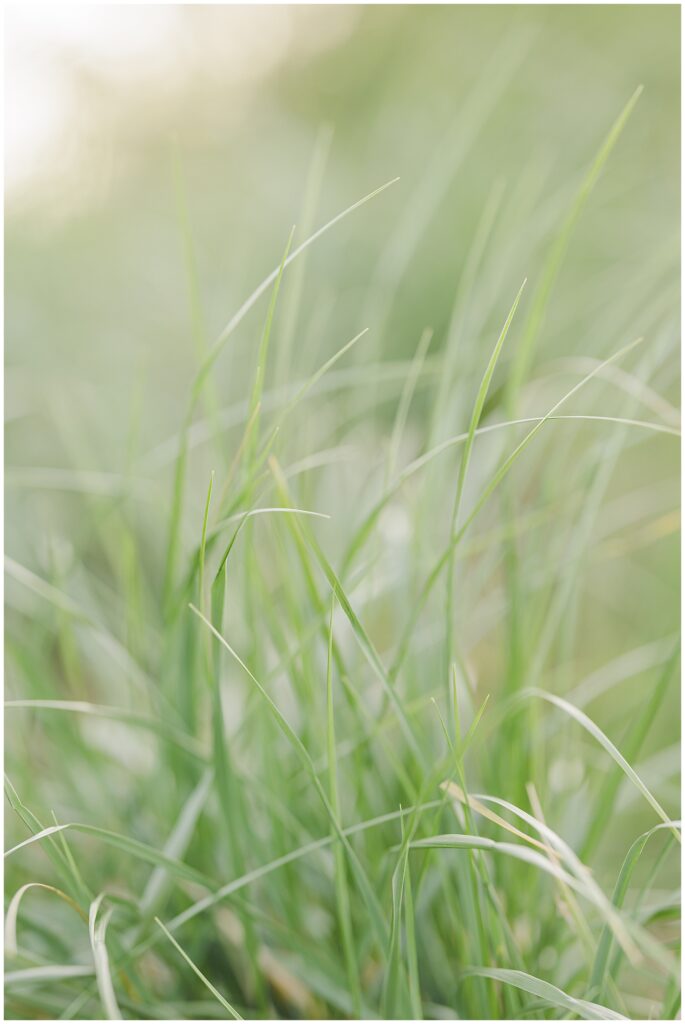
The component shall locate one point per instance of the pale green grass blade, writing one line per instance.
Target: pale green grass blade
(30, 975)
(239, 516)
(456, 841)
(80, 707)
(509, 461)
(72, 879)
(205, 981)
(302, 391)
(552, 266)
(97, 931)
(13, 912)
(233, 813)
(479, 403)
(134, 847)
(605, 742)
(203, 543)
(341, 886)
(177, 843)
(269, 280)
(550, 994)
(460, 309)
(632, 745)
(362, 533)
(414, 978)
(262, 355)
(176, 513)
(405, 401)
(395, 1004)
(552, 841)
(550, 867)
(464, 466)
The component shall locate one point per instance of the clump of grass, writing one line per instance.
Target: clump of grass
(296, 777)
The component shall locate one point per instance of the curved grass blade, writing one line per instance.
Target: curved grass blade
(550, 994)
(605, 742)
(288, 858)
(131, 846)
(457, 841)
(269, 280)
(552, 843)
(13, 912)
(59, 856)
(589, 892)
(632, 744)
(97, 931)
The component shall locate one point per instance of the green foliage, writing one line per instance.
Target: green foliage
(259, 763)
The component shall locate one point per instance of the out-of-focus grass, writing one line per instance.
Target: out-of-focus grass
(238, 718)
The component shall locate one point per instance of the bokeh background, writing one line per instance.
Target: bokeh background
(454, 100)
(156, 160)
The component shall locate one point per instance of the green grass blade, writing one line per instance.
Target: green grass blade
(97, 931)
(405, 400)
(341, 886)
(601, 962)
(141, 851)
(550, 994)
(80, 707)
(269, 280)
(487, 491)
(632, 745)
(262, 355)
(373, 906)
(605, 742)
(363, 639)
(479, 403)
(173, 543)
(233, 1013)
(414, 978)
(177, 843)
(552, 266)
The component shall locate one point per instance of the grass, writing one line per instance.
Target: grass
(341, 703)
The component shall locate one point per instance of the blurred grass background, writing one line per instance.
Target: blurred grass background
(165, 191)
